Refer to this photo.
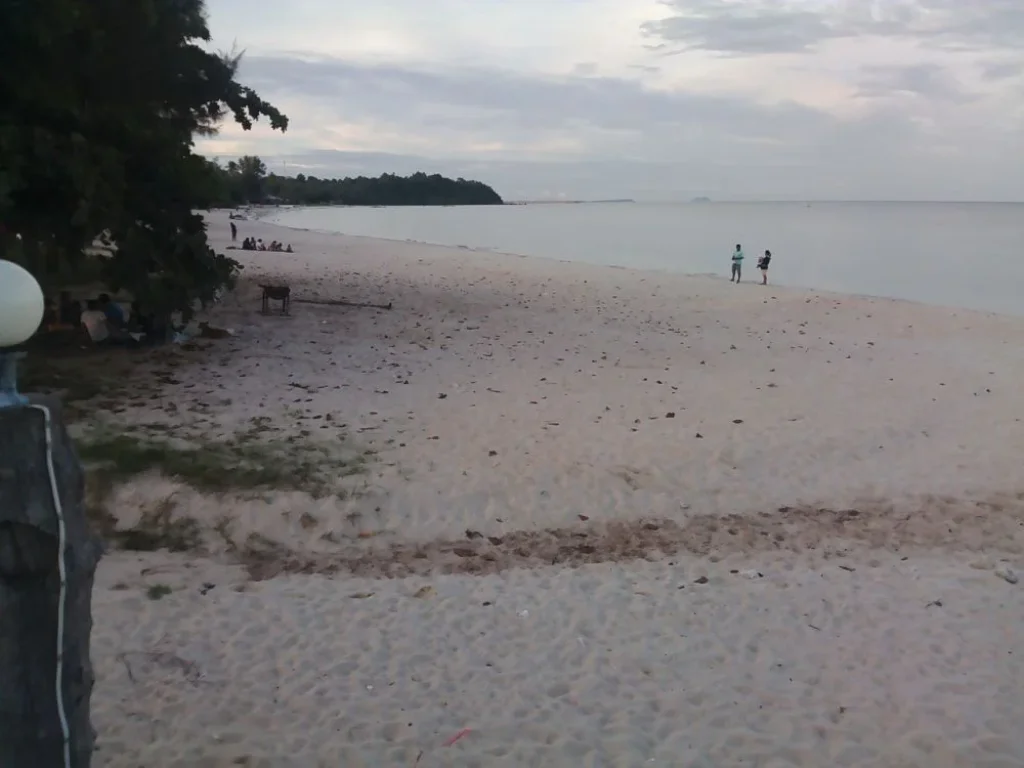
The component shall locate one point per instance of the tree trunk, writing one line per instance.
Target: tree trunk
(30, 585)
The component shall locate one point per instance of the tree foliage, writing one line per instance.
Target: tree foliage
(100, 103)
(242, 180)
(246, 181)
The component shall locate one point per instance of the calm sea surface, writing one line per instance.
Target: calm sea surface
(955, 254)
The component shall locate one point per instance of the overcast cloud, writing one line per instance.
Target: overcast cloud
(733, 99)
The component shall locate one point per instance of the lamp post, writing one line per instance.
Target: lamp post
(48, 556)
(21, 311)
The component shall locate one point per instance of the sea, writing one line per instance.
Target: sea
(968, 255)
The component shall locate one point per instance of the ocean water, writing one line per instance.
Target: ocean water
(953, 254)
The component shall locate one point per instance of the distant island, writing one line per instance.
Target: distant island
(246, 181)
(701, 200)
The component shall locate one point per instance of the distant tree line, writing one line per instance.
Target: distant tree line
(246, 181)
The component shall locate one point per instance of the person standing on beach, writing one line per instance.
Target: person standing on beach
(737, 264)
(234, 232)
(763, 266)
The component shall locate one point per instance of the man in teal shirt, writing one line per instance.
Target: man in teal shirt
(737, 264)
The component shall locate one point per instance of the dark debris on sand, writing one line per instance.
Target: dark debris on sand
(935, 524)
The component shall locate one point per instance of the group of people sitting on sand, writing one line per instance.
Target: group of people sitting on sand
(105, 320)
(257, 244)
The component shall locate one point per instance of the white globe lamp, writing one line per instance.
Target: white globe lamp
(21, 312)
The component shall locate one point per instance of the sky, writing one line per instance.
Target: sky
(644, 99)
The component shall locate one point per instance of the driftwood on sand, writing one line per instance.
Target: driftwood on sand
(341, 303)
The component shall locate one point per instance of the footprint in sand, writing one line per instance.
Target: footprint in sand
(631, 476)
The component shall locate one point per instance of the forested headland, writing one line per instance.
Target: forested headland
(246, 181)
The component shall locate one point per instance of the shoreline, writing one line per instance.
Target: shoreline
(753, 278)
(712, 276)
(605, 515)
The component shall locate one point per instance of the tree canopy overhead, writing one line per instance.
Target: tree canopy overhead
(246, 181)
(100, 103)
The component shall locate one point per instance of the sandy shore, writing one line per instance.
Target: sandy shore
(822, 490)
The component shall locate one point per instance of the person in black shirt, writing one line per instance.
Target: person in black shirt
(762, 264)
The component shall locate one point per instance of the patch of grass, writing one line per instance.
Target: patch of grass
(98, 487)
(159, 529)
(95, 377)
(158, 591)
(241, 464)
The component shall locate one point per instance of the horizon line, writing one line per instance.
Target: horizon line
(709, 201)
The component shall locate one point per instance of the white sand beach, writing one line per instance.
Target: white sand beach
(607, 518)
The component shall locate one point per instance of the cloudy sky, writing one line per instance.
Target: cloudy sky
(652, 99)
